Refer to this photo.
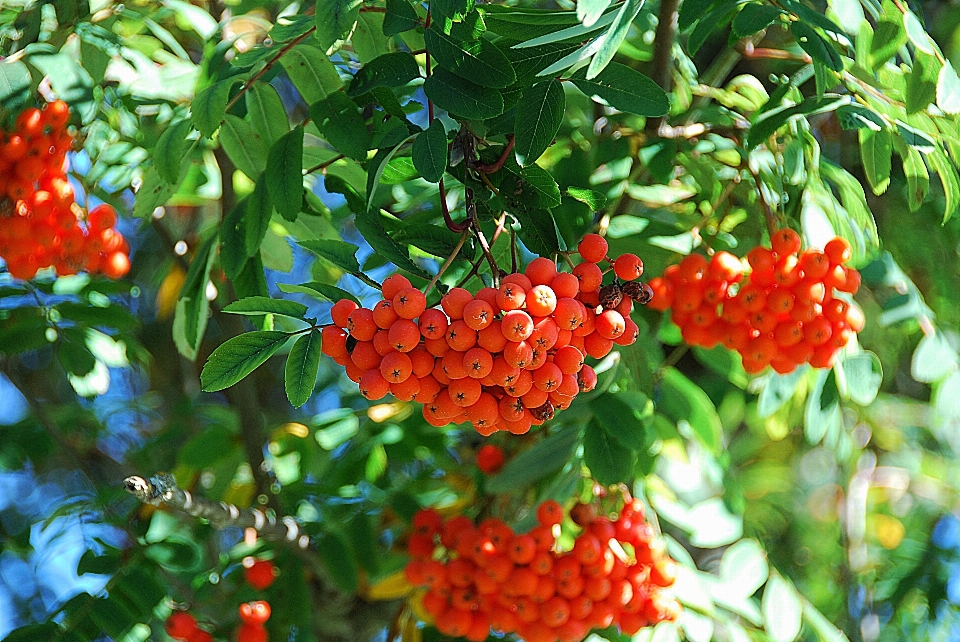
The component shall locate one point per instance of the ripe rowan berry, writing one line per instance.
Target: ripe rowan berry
(589, 276)
(593, 248)
(256, 613)
(628, 267)
(540, 271)
(838, 250)
(392, 285)
(478, 314)
(180, 625)
(260, 574)
(549, 513)
(409, 303)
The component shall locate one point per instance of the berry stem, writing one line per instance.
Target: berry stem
(498, 164)
(448, 262)
(269, 64)
(451, 225)
(472, 220)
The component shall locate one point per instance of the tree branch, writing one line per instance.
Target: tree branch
(162, 489)
(662, 66)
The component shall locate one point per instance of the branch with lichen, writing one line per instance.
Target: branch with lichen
(162, 489)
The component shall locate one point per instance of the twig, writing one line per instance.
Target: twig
(472, 220)
(443, 268)
(748, 50)
(662, 65)
(322, 167)
(162, 489)
(451, 225)
(270, 63)
(498, 164)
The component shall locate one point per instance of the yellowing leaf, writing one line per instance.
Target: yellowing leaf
(392, 587)
(169, 292)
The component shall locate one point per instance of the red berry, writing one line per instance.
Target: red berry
(628, 267)
(490, 459)
(593, 248)
(260, 574)
(180, 625)
(257, 612)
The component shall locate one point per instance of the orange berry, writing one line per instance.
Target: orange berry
(549, 513)
(409, 303)
(361, 324)
(814, 264)
(540, 271)
(373, 386)
(454, 301)
(102, 217)
(761, 259)
(115, 265)
(593, 248)
(569, 313)
(260, 574)
(433, 324)
(589, 276)
(478, 363)
(693, 268)
(541, 300)
(838, 251)
(384, 315)
(404, 335)
(396, 367)
(180, 625)
(257, 612)
(565, 284)
(628, 267)
(785, 241)
(392, 285)
(478, 314)
(460, 336)
(340, 312)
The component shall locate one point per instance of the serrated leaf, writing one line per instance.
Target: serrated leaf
(339, 120)
(544, 18)
(323, 291)
(922, 83)
(857, 117)
(233, 255)
(15, 84)
(369, 226)
(479, 61)
(245, 147)
(708, 24)
(948, 90)
(303, 364)
(461, 97)
(743, 567)
(625, 89)
(876, 150)
(258, 215)
(210, 105)
(609, 461)
(770, 121)
(193, 308)
(389, 70)
(266, 112)
(539, 121)
(340, 253)
(284, 173)
(888, 36)
(596, 201)
(430, 152)
(538, 231)
(915, 170)
(777, 390)
(683, 400)
(335, 19)
(256, 305)
(754, 17)
(238, 357)
(529, 62)
(815, 45)
(626, 416)
(168, 154)
(950, 180)
(531, 186)
(535, 463)
(933, 359)
(399, 17)
(822, 412)
(312, 73)
(782, 610)
(609, 43)
(589, 11)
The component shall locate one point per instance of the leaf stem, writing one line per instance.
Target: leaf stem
(324, 165)
(498, 164)
(270, 63)
(448, 262)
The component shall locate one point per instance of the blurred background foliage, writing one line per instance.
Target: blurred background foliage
(827, 498)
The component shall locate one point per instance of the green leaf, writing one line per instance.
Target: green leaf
(245, 147)
(876, 150)
(531, 185)
(539, 121)
(777, 390)
(782, 610)
(303, 364)
(947, 172)
(369, 226)
(340, 253)
(946, 398)
(609, 43)
(400, 17)
(539, 21)
(822, 413)
(168, 154)
(255, 305)
(284, 174)
(754, 17)
(324, 291)
(888, 36)
(933, 359)
(625, 89)
(743, 567)
(683, 400)
(479, 61)
(857, 117)
(339, 121)
(430, 152)
(210, 105)
(530, 61)
(589, 11)
(378, 165)
(538, 231)
(15, 84)
(267, 115)
(626, 416)
(258, 215)
(922, 82)
(770, 121)
(864, 375)
(335, 19)
(812, 17)
(238, 357)
(815, 45)
(233, 232)
(461, 97)
(948, 90)
(312, 73)
(193, 308)
(915, 169)
(338, 558)
(708, 24)
(609, 461)
(596, 201)
(389, 70)
(541, 459)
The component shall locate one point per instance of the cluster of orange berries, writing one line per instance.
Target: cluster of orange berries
(783, 313)
(259, 574)
(40, 223)
(505, 358)
(488, 578)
